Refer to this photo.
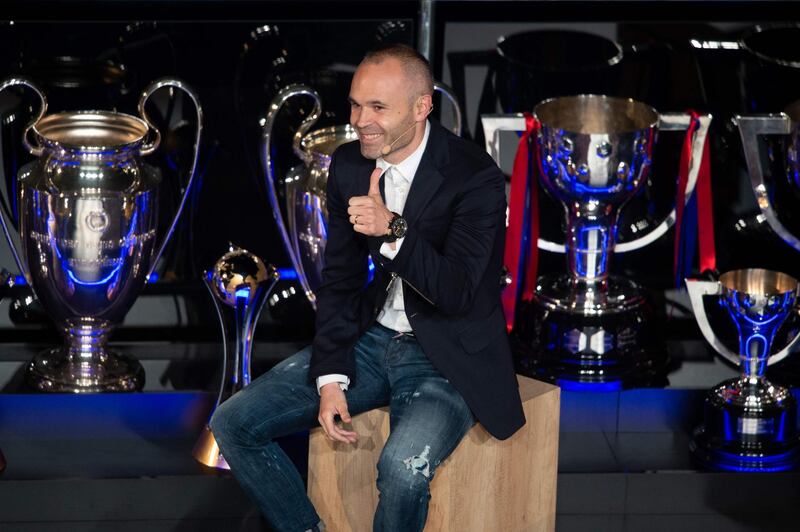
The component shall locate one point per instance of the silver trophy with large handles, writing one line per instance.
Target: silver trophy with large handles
(588, 326)
(750, 424)
(751, 127)
(239, 284)
(88, 209)
(303, 230)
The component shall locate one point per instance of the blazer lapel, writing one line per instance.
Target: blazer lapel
(428, 178)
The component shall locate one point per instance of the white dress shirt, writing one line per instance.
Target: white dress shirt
(397, 183)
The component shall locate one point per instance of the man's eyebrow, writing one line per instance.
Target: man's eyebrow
(371, 102)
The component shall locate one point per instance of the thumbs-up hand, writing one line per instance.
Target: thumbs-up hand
(375, 184)
(368, 214)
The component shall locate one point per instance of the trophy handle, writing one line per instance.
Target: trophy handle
(448, 93)
(698, 289)
(305, 125)
(494, 124)
(750, 127)
(150, 146)
(266, 160)
(33, 149)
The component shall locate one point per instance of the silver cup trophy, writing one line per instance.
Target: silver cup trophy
(306, 215)
(590, 327)
(88, 216)
(239, 285)
(750, 424)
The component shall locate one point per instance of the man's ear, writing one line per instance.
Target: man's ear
(423, 107)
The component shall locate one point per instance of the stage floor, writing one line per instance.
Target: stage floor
(122, 461)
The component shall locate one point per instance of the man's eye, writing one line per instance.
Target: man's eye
(378, 108)
(353, 104)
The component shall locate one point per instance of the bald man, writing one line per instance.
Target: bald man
(426, 336)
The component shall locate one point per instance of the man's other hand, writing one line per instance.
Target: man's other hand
(368, 214)
(332, 402)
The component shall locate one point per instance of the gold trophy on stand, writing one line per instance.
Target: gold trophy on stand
(239, 285)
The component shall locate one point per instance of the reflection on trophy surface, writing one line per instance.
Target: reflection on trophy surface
(596, 152)
(88, 215)
(304, 230)
(239, 286)
(750, 424)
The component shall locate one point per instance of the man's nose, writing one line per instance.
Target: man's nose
(360, 118)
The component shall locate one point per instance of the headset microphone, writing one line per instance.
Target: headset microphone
(387, 148)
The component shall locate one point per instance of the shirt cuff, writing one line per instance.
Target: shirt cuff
(390, 253)
(343, 380)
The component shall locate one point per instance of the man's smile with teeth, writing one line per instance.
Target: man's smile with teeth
(370, 136)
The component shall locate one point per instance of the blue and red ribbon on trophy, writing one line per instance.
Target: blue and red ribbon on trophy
(694, 220)
(522, 232)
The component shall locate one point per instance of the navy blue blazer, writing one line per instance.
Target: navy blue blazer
(450, 262)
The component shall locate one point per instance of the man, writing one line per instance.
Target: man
(426, 336)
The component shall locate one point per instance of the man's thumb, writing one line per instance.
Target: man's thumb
(374, 182)
(344, 414)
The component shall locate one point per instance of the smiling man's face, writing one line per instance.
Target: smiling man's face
(382, 110)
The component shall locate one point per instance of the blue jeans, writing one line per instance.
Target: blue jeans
(428, 418)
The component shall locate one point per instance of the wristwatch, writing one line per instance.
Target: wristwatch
(397, 228)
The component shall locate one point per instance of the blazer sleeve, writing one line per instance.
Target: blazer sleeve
(343, 279)
(449, 275)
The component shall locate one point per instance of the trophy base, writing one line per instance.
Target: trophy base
(711, 452)
(206, 451)
(589, 347)
(786, 372)
(749, 425)
(55, 371)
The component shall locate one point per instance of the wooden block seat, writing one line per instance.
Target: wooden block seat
(485, 484)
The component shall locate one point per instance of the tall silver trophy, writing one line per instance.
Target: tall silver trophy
(302, 219)
(750, 424)
(239, 285)
(588, 326)
(87, 225)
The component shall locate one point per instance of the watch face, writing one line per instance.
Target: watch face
(399, 227)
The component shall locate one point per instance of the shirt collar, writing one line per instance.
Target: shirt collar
(407, 168)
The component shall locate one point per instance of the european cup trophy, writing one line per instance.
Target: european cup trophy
(304, 229)
(750, 424)
(588, 326)
(239, 285)
(87, 225)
